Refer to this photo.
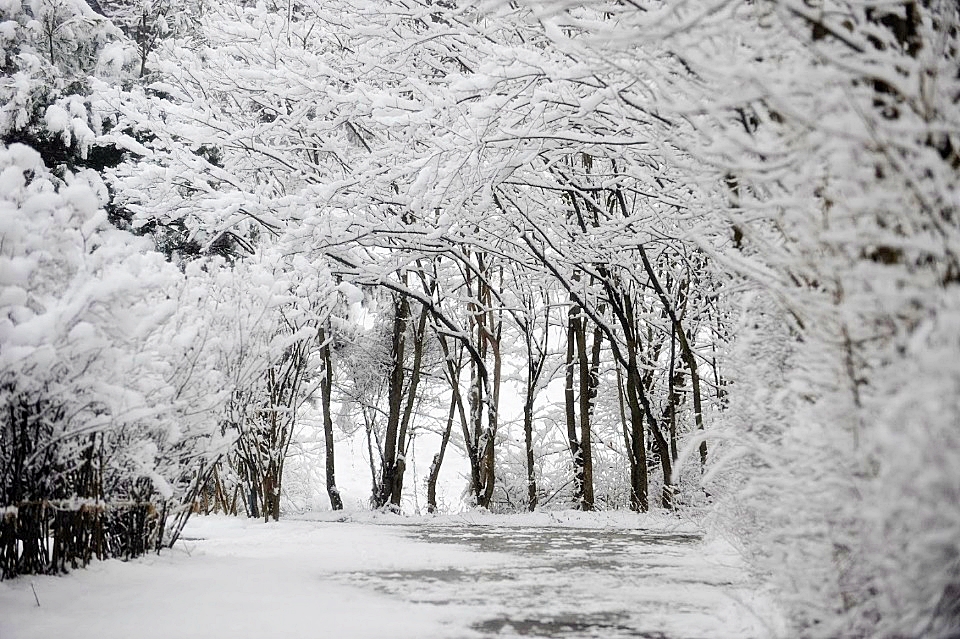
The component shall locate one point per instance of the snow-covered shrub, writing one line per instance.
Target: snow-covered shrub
(108, 395)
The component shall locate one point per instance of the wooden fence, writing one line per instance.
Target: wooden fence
(52, 536)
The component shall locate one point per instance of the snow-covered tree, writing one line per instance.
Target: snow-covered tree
(826, 136)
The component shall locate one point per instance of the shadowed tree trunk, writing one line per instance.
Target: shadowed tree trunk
(589, 383)
(484, 398)
(535, 364)
(326, 387)
(583, 362)
(453, 376)
(388, 471)
(574, 327)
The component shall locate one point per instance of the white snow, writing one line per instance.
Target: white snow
(11, 179)
(58, 121)
(8, 28)
(124, 141)
(352, 293)
(234, 578)
(374, 575)
(83, 200)
(112, 59)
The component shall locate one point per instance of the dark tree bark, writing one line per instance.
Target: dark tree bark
(574, 328)
(535, 365)
(412, 387)
(484, 398)
(326, 388)
(453, 376)
(589, 388)
(389, 468)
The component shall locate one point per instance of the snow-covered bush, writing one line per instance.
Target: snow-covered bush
(78, 307)
(111, 393)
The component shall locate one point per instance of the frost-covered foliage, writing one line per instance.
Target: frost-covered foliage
(863, 220)
(147, 22)
(276, 309)
(426, 170)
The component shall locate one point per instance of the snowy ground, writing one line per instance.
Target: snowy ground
(456, 577)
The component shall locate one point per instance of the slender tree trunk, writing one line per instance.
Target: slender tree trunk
(639, 494)
(438, 459)
(475, 400)
(412, 387)
(627, 436)
(536, 358)
(326, 388)
(590, 389)
(369, 424)
(394, 401)
(492, 334)
(672, 395)
(453, 377)
(484, 393)
(686, 351)
(574, 329)
(586, 458)
(532, 378)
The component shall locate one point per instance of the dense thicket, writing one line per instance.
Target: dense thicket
(707, 252)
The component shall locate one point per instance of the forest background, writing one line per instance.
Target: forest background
(710, 246)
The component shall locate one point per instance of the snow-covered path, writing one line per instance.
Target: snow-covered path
(449, 578)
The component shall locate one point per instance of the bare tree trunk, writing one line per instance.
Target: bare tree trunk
(475, 401)
(532, 375)
(326, 387)
(412, 387)
(369, 423)
(536, 358)
(627, 437)
(484, 396)
(574, 330)
(586, 457)
(686, 351)
(389, 467)
(638, 480)
(672, 394)
(493, 332)
(453, 377)
(438, 459)
(589, 388)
